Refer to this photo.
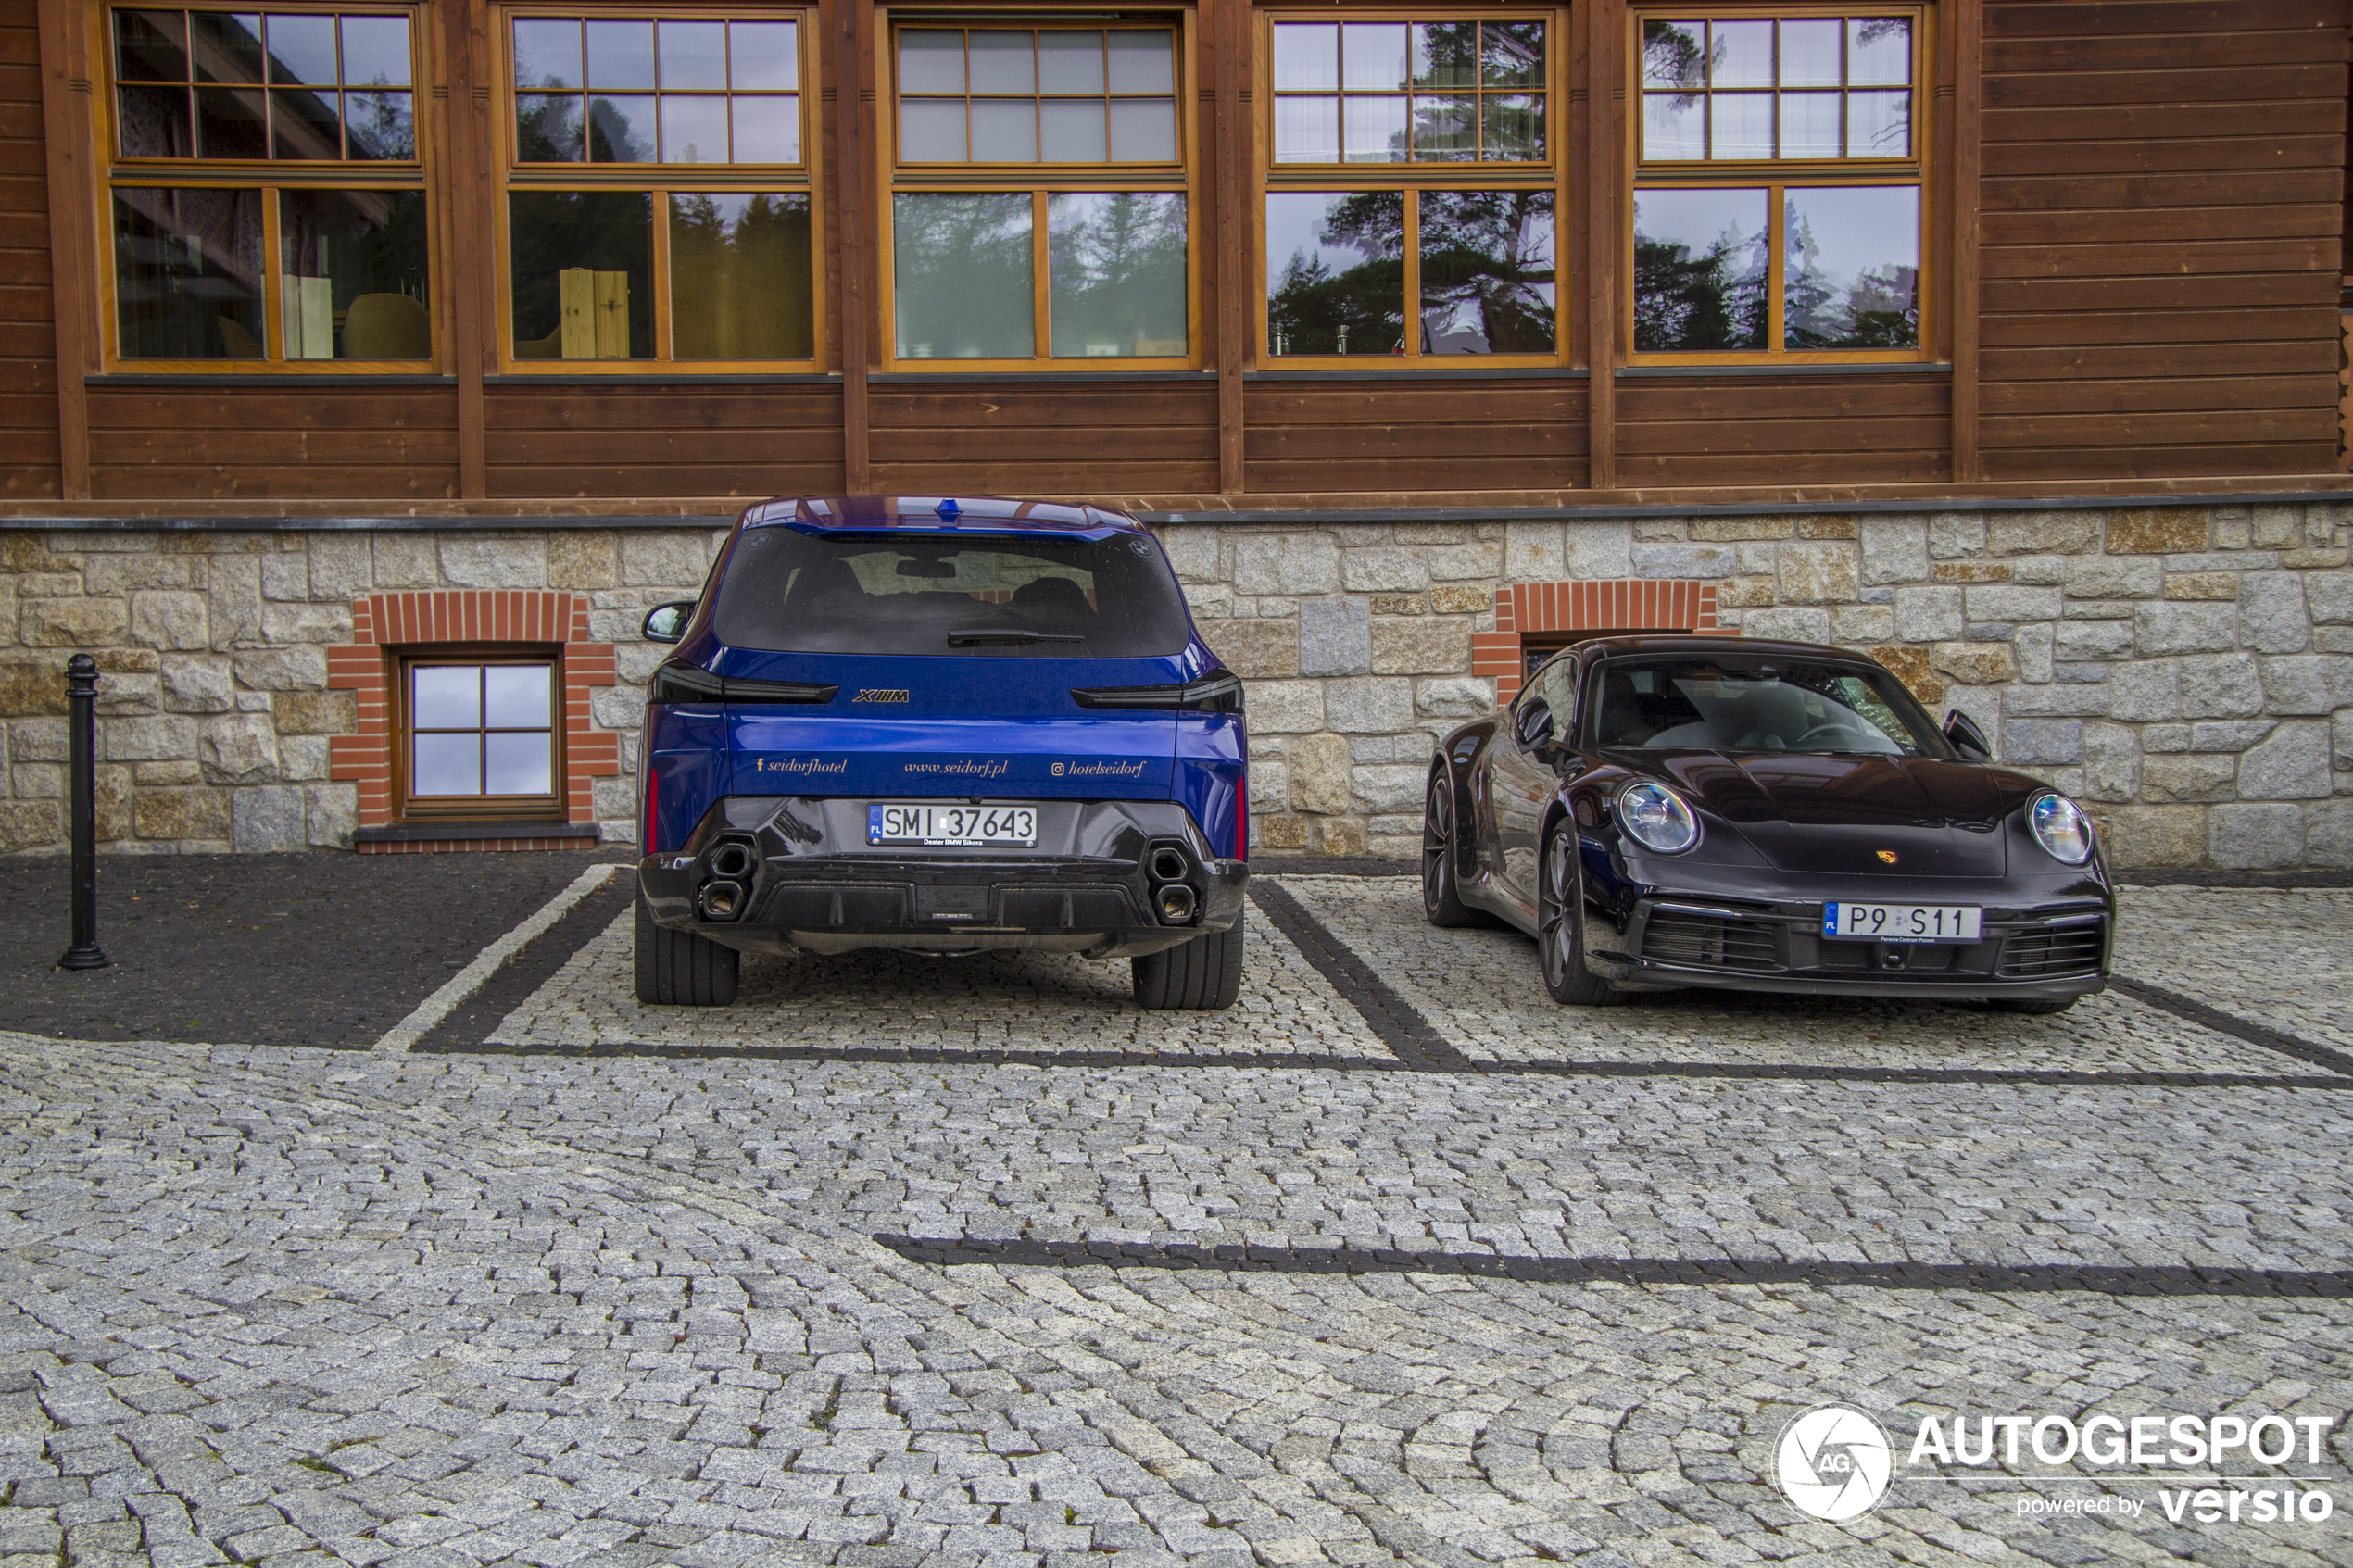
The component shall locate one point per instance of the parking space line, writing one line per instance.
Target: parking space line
(2230, 1024)
(1396, 1021)
(532, 965)
(2098, 1279)
(458, 986)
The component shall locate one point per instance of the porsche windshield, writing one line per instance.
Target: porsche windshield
(1758, 704)
(990, 596)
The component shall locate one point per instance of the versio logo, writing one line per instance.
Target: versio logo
(881, 693)
(1834, 1462)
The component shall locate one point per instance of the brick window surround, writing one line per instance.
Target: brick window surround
(385, 626)
(1621, 604)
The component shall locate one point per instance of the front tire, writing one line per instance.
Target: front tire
(1442, 899)
(678, 969)
(1201, 975)
(1560, 926)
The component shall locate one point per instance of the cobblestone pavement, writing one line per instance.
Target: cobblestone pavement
(608, 1288)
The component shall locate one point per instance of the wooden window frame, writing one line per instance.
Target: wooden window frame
(1552, 174)
(409, 807)
(270, 177)
(1777, 176)
(1039, 181)
(658, 182)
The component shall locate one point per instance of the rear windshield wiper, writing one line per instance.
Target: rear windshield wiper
(982, 636)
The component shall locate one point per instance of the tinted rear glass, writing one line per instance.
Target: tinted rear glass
(789, 592)
(1731, 703)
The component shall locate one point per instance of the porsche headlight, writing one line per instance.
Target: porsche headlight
(2061, 829)
(1655, 818)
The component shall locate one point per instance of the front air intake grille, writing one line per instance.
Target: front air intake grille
(1709, 942)
(2062, 953)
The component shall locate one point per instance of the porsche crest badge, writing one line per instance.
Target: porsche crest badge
(1887, 857)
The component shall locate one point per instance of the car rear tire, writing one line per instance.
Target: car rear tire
(1199, 975)
(1560, 926)
(2034, 1007)
(678, 969)
(1442, 896)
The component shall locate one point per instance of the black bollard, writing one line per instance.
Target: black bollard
(81, 763)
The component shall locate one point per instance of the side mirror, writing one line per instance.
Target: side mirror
(1966, 738)
(667, 624)
(1534, 729)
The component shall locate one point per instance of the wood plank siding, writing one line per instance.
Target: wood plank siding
(632, 443)
(327, 442)
(1316, 437)
(2163, 211)
(1678, 431)
(28, 330)
(1027, 438)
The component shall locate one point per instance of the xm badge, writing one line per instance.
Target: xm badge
(881, 693)
(1834, 1462)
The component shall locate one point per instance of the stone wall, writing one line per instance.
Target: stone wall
(2187, 670)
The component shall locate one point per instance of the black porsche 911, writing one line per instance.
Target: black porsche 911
(1761, 816)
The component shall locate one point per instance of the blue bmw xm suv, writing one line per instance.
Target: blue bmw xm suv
(940, 725)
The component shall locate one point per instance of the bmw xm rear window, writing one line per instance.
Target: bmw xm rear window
(789, 592)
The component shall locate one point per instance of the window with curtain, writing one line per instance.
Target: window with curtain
(1040, 203)
(1778, 208)
(266, 195)
(1413, 189)
(658, 204)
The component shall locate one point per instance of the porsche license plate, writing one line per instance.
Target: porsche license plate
(1901, 923)
(953, 826)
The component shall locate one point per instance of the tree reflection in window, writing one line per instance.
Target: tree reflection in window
(1851, 267)
(1336, 271)
(1701, 265)
(1487, 271)
(1115, 270)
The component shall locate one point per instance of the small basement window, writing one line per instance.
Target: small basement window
(480, 736)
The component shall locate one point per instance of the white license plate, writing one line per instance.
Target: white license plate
(1901, 922)
(953, 826)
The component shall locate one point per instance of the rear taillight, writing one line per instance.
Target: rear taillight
(1241, 815)
(1221, 693)
(685, 682)
(653, 806)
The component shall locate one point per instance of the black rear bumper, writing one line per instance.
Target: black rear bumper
(803, 876)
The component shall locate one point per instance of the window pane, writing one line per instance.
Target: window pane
(1306, 55)
(378, 126)
(962, 269)
(303, 124)
(1445, 130)
(1372, 55)
(151, 47)
(1700, 268)
(516, 696)
(1143, 61)
(1070, 62)
(1306, 130)
(931, 130)
(694, 130)
(692, 55)
(518, 764)
(768, 128)
(1512, 54)
(1740, 125)
(621, 130)
(375, 51)
(301, 48)
(445, 764)
(1446, 53)
(1878, 52)
(1740, 54)
(1674, 125)
(547, 128)
(1336, 271)
(1515, 129)
(1072, 130)
(1879, 125)
(620, 55)
(581, 273)
(188, 273)
(1809, 124)
(352, 279)
(739, 276)
(229, 123)
(931, 61)
(1143, 130)
(1004, 130)
(154, 122)
(1675, 55)
(227, 47)
(446, 697)
(765, 55)
(1376, 127)
(1487, 271)
(1001, 62)
(546, 53)
(1810, 53)
(1115, 269)
(1851, 272)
